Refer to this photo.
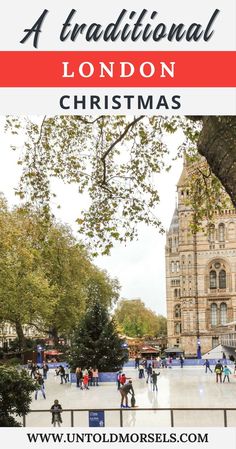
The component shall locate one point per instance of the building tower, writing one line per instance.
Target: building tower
(200, 276)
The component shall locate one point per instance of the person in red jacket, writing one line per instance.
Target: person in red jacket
(86, 381)
(123, 379)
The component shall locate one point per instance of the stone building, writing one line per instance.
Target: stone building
(200, 277)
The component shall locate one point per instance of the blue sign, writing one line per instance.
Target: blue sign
(96, 418)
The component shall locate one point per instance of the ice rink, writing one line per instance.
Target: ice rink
(189, 387)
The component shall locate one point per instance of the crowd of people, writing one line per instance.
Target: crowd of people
(86, 378)
(149, 370)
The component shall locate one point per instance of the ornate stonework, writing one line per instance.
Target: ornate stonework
(200, 277)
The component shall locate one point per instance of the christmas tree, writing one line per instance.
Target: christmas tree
(96, 343)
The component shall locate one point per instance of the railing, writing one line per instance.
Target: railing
(228, 340)
(172, 419)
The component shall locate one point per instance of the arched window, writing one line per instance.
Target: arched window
(178, 328)
(213, 314)
(212, 233)
(172, 267)
(222, 279)
(177, 311)
(176, 292)
(212, 279)
(221, 232)
(218, 275)
(223, 313)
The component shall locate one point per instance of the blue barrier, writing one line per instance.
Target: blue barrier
(102, 377)
(187, 362)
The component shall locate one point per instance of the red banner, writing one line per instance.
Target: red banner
(118, 69)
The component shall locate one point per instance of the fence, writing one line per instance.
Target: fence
(140, 417)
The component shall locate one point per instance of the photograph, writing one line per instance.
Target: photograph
(117, 271)
(118, 224)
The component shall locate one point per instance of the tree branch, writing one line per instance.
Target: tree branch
(119, 139)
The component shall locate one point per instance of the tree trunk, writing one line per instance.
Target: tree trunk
(217, 143)
(55, 337)
(20, 335)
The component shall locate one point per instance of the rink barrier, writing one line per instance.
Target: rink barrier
(138, 410)
(187, 362)
(102, 377)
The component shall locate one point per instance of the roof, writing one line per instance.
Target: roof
(174, 226)
(174, 349)
(148, 349)
(52, 352)
(184, 175)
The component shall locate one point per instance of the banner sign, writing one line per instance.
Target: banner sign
(177, 50)
(96, 418)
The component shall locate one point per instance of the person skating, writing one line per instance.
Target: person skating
(149, 372)
(86, 381)
(62, 374)
(141, 371)
(154, 380)
(90, 376)
(226, 372)
(170, 360)
(34, 368)
(207, 365)
(124, 391)
(95, 377)
(218, 370)
(123, 379)
(137, 360)
(40, 386)
(45, 370)
(181, 361)
(79, 377)
(56, 410)
(67, 373)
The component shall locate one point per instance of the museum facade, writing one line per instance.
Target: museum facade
(200, 276)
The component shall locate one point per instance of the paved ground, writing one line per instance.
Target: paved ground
(187, 387)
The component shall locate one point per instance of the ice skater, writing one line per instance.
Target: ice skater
(40, 386)
(207, 365)
(226, 372)
(154, 380)
(124, 391)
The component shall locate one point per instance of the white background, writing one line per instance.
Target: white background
(22, 14)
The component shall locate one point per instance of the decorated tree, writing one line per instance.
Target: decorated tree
(15, 395)
(96, 342)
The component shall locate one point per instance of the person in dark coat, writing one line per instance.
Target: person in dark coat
(56, 410)
(154, 380)
(219, 370)
(207, 365)
(149, 372)
(181, 361)
(62, 374)
(45, 370)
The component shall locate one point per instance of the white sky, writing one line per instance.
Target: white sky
(140, 265)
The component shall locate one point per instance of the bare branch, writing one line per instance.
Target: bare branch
(119, 139)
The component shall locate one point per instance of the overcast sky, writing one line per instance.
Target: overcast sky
(140, 265)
